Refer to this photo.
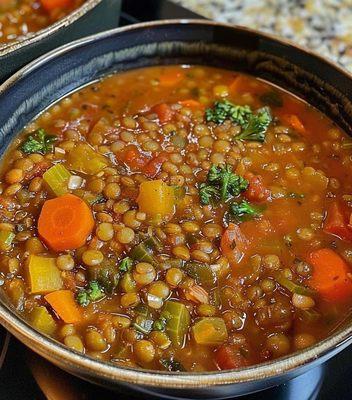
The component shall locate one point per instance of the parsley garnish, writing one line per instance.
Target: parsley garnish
(93, 292)
(243, 211)
(125, 264)
(256, 126)
(38, 142)
(224, 110)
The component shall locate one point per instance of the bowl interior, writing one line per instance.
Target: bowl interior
(41, 83)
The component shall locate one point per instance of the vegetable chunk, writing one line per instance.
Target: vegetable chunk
(85, 159)
(178, 321)
(43, 275)
(41, 319)
(65, 222)
(156, 197)
(210, 331)
(331, 275)
(63, 303)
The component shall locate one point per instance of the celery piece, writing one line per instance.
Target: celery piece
(57, 178)
(6, 238)
(210, 331)
(43, 275)
(84, 158)
(178, 321)
(293, 287)
(202, 273)
(127, 283)
(41, 320)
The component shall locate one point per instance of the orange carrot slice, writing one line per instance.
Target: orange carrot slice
(331, 275)
(294, 122)
(63, 303)
(65, 222)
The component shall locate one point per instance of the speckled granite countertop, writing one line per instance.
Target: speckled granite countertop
(322, 25)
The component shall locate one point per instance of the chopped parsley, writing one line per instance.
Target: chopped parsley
(225, 110)
(221, 184)
(93, 292)
(126, 264)
(243, 211)
(172, 365)
(39, 142)
(256, 127)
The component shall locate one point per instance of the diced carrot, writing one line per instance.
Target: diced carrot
(65, 222)
(50, 5)
(331, 275)
(239, 84)
(190, 103)
(294, 122)
(337, 222)
(233, 244)
(164, 112)
(256, 190)
(154, 166)
(227, 357)
(63, 303)
(171, 77)
(132, 157)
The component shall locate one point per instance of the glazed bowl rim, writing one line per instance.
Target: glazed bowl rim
(34, 37)
(83, 365)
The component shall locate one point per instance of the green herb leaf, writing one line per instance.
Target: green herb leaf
(172, 365)
(159, 324)
(229, 184)
(39, 142)
(126, 265)
(208, 194)
(244, 211)
(93, 292)
(256, 126)
(224, 110)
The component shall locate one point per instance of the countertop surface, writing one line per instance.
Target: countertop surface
(321, 25)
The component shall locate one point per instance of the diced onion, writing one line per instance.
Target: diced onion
(75, 182)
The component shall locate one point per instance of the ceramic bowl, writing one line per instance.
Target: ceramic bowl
(44, 81)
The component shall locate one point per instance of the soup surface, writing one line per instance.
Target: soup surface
(19, 17)
(179, 218)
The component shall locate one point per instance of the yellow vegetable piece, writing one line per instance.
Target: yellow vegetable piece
(41, 320)
(210, 331)
(43, 275)
(156, 198)
(57, 178)
(6, 238)
(85, 159)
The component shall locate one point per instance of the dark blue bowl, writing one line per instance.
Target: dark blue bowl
(91, 17)
(44, 81)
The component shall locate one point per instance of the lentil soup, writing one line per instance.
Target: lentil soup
(20, 17)
(180, 218)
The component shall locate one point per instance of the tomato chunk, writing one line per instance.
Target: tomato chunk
(256, 190)
(337, 222)
(227, 357)
(164, 112)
